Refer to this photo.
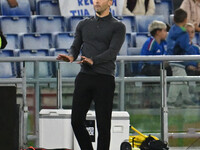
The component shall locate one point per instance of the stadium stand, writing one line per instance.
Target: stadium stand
(73, 21)
(171, 19)
(164, 8)
(15, 24)
(52, 29)
(142, 22)
(13, 41)
(46, 24)
(37, 41)
(67, 69)
(47, 7)
(140, 38)
(133, 51)
(44, 67)
(33, 5)
(127, 43)
(132, 69)
(64, 40)
(23, 8)
(129, 22)
(7, 69)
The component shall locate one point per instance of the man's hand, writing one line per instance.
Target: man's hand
(86, 60)
(65, 58)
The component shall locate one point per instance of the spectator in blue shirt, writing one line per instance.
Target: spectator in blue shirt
(178, 43)
(155, 45)
(193, 67)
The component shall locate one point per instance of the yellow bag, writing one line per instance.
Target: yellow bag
(137, 140)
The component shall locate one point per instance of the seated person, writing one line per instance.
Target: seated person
(192, 68)
(155, 45)
(138, 7)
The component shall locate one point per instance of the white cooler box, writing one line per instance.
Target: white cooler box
(119, 129)
(55, 129)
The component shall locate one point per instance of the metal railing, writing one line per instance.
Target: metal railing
(121, 79)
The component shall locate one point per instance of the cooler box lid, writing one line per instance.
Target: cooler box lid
(120, 115)
(55, 113)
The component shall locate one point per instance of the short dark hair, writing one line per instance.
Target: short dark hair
(153, 32)
(180, 15)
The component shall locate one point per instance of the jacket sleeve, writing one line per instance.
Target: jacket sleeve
(115, 46)
(3, 41)
(77, 43)
(184, 44)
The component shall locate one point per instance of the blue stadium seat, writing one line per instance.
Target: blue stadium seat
(45, 24)
(123, 51)
(157, 1)
(142, 22)
(13, 41)
(164, 8)
(23, 8)
(127, 43)
(11, 24)
(48, 7)
(7, 69)
(196, 39)
(44, 67)
(140, 38)
(73, 22)
(67, 69)
(37, 41)
(133, 51)
(129, 22)
(171, 19)
(133, 68)
(64, 40)
(33, 5)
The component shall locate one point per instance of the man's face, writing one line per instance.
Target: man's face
(101, 5)
(191, 32)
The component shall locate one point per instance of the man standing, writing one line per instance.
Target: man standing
(99, 39)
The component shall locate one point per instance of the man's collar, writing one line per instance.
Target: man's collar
(104, 18)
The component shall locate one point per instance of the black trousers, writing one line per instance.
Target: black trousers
(100, 89)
